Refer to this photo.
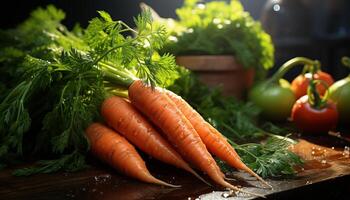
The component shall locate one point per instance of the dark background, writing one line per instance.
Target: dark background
(319, 29)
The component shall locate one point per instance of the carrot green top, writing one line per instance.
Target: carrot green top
(57, 79)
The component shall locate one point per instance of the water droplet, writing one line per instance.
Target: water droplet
(83, 189)
(308, 182)
(276, 7)
(189, 198)
(312, 152)
(332, 148)
(346, 152)
(225, 195)
(216, 21)
(94, 190)
(101, 193)
(324, 162)
(201, 6)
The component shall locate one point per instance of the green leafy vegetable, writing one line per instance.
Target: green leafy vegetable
(219, 28)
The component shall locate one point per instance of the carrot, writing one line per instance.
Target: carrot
(215, 142)
(156, 105)
(125, 119)
(115, 150)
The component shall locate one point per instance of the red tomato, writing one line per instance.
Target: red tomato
(300, 83)
(312, 120)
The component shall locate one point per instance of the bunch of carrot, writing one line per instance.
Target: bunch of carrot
(188, 140)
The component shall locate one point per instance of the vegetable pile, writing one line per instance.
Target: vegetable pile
(312, 101)
(62, 89)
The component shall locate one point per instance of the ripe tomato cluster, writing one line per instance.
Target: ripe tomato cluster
(313, 101)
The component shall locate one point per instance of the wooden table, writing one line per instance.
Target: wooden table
(318, 179)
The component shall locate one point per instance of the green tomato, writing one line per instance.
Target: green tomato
(275, 100)
(339, 92)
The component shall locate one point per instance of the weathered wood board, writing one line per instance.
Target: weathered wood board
(328, 168)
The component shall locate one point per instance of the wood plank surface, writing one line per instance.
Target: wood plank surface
(327, 172)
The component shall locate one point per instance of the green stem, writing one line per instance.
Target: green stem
(117, 70)
(113, 49)
(117, 79)
(119, 93)
(314, 98)
(127, 27)
(236, 146)
(291, 64)
(117, 75)
(346, 62)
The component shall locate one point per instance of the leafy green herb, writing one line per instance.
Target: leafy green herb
(270, 159)
(70, 163)
(220, 28)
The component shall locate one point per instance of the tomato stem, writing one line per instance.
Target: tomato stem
(310, 68)
(314, 98)
(346, 62)
(291, 64)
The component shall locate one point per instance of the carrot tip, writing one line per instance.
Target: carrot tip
(229, 179)
(160, 182)
(198, 176)
(228, 185)
(171, 185)
(259, 178)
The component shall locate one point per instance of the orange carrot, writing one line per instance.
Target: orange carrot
(156, 105)
(215, 142)
(125, 119)
(115, 150)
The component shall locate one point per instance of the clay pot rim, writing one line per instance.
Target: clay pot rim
(206, 62)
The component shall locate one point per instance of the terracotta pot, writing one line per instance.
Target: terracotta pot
(223, 71)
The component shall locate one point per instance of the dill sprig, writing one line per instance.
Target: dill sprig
(270, 158)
